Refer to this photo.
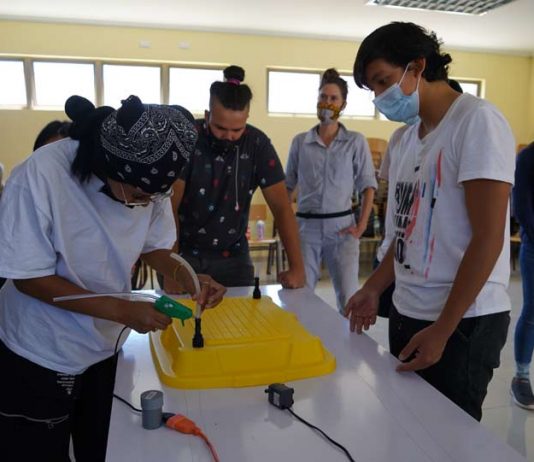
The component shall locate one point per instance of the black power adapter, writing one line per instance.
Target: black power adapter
(280, 395)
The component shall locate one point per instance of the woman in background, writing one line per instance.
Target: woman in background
(329, 165)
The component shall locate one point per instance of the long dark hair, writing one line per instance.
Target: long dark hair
(231, 93)
(86, 127)
(54, 129)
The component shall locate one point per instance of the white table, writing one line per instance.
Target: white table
(378, 414)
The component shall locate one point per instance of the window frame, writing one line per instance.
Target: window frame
(32, 97)
(292, 71)
(480, 83)
(206, 67)
(18, 107)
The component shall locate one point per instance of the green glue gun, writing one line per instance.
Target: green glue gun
(173, 309)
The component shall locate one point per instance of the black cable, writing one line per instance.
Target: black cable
(118, 339)
(115, 353)
(127, 403)
(347, 453)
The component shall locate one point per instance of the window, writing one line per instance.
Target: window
(121, 81)
(473, 87)
(359, 101)
(190, 88)
(56, 81)
(293, 92)
(13, 88)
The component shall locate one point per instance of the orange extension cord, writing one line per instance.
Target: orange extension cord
(182, 424)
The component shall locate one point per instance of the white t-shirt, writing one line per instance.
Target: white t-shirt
(387, 168)
(432, 229)
(51, 224)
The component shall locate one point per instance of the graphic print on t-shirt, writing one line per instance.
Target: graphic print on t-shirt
(414, 206)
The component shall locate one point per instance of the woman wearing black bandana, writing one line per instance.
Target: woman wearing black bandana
(75, 217)
(231, 161)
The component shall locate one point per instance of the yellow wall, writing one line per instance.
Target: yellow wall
(509, 79)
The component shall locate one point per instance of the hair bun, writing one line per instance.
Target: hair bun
(330, 74)
(234, 73)
(130, 111)
(78, 108)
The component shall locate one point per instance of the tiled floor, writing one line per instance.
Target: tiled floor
(505, 419)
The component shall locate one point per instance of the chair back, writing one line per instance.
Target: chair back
(257, 212)
(378, 147)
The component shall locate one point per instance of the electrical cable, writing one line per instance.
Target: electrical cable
(194, 276)
(184, 425)
(347, 453)
(118, 339)
(127, 403)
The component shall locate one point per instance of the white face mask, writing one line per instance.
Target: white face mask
(397, 106)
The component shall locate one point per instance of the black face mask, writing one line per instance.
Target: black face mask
(218, 146)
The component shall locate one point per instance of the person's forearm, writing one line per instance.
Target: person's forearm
(162, 262)
(384, 275)
(289, 234)
(367, 205)
(292, 193)
(48, 287)
(474, 270)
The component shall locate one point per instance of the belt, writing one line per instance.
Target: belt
(324, 215)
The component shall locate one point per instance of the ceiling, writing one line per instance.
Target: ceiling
(505, 29)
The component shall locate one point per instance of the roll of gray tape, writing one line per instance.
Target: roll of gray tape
(152, 406)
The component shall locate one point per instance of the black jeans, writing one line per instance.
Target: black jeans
(466, 367)
(385, 302)
(46, 408)
(233, 271)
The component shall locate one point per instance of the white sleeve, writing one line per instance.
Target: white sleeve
(383, 173)
(485, 147)
(26, 246)
(162, 231)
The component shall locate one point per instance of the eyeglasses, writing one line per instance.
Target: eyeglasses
(147, 199)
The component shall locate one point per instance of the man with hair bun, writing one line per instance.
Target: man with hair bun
(450, 203)
(212, 199)
(328, 165)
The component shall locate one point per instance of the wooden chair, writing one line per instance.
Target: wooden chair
(272, 246)
(378, 147)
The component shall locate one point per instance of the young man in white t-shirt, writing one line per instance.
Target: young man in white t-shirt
(449, 258)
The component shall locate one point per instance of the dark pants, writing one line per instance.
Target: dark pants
(233, 271)
(466, 367)
(386, 299)
(55, 407)
(524, 330)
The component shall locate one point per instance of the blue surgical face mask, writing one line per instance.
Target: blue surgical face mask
(397, 106)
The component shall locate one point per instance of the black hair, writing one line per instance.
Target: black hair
(455, 85)
(87, 121)
(332, 76)
(231, 93)
(399, 43)
(56, 128)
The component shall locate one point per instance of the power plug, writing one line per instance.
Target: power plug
(280, 395)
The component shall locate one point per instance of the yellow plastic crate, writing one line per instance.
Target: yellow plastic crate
(247, 342)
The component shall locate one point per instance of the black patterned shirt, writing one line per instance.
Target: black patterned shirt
(219, 186)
